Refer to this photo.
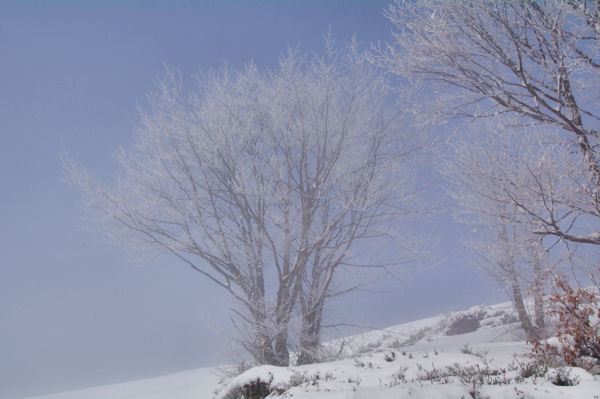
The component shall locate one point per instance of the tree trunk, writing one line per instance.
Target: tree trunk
(282, 353)
(267, 353)
(538, 290)
(517, 297)
(310, 336)
(262, 351)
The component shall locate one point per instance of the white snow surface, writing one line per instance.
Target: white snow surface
(412, 360)
(198, 383)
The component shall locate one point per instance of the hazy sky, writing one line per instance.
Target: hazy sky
(74, 310)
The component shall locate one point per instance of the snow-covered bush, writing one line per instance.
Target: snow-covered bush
(562, 377)
(464, 324)
(255, 389)
(577, 333)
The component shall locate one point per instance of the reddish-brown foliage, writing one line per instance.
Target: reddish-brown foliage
(577, 312)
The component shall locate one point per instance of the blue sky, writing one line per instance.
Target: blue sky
(74, 310)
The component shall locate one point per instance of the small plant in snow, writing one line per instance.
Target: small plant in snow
(531, 369)
(466, 349)
(399, 376)
(562, 377)
(469, 374)
(355, 381)
(331, 352)
(297, 378)
(390, 356)
(476, 393)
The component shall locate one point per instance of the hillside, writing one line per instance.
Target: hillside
(477, 353)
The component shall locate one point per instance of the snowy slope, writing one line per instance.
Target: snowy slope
(477, 353)
(198, 383)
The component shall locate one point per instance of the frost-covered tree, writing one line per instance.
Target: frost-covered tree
(526, 74)
(535, 60)
(497, 174)
(263, 182)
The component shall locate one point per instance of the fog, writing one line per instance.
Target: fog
(76, 311)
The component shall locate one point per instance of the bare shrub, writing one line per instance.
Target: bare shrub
(578, 327)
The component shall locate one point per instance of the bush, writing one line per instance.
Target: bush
(463, 324)
(562, 377)
(255, 389)
(577, 312)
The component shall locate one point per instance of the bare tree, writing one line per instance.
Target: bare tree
(263, 182)
(495, 173)
(526, 67)
(536, 60)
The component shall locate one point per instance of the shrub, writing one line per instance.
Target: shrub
(463, 324)
(390, 356)
(577, 312)
(562, 377)
(256, 389)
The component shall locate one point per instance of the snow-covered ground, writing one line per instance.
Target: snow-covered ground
(192, 384)
(478, 353)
